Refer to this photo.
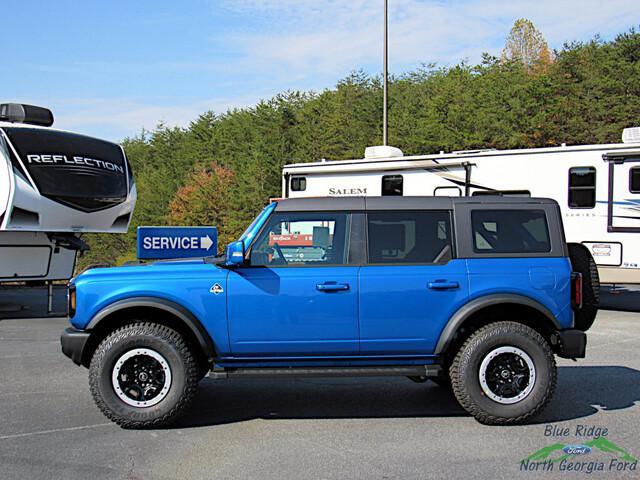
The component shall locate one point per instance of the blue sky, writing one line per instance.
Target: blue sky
(110, 68)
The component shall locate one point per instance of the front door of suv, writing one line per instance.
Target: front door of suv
(412, 283)
(298, 297)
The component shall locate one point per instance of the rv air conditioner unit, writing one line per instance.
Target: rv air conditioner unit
(30, 114)
(382, 151)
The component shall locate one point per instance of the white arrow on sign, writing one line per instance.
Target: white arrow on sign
(206, 242)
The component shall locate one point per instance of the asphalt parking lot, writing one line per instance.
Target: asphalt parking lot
(309, 428)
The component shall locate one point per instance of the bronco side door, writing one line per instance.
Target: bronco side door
(298, 295)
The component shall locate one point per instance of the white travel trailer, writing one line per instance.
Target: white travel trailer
(55, 186)
(597, 187)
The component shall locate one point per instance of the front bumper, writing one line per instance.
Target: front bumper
(73, 342)
(571, 343)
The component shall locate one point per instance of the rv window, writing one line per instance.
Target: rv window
(298, 184)
(582, 187)
(392, 185)
(409, 237)
(634, 180)
(510, 231)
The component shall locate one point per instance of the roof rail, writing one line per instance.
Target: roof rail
(471, 152)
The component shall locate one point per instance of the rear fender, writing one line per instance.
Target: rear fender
(474, 306)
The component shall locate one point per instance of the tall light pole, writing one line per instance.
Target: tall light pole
(385, 75)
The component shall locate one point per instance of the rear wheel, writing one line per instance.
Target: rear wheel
(505, 373)
(143, 375)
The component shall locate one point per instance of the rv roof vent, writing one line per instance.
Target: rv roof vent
(631, 135)
(382, 151)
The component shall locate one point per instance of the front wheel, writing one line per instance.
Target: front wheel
(504, 374)
(143, 375)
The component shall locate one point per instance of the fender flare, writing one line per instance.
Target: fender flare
(183, 314)
(468, 309)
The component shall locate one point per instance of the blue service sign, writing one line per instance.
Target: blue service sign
(177, 242)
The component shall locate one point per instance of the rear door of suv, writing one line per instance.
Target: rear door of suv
(411, 283)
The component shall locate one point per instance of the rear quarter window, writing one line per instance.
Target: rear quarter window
(510, 231)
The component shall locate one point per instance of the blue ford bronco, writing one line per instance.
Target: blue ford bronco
(477, 294)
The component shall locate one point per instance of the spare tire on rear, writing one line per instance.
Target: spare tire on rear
(582, 262)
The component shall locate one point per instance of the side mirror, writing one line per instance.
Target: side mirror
(235, 253)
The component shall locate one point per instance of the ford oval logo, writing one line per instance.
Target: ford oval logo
(576, 449)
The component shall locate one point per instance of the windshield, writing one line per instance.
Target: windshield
(252, 230)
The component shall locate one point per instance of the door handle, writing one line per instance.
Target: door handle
(332, 287)
(443, 285)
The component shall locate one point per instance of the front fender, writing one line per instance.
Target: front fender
(192, 291)
(177, 310)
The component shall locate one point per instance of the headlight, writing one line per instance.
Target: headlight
(72, 299)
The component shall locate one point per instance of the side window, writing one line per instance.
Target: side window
(634, 180)
(302, 239)
(392, 185)
(582, 187)
(298, 184)
(409, 237)
(510, 231)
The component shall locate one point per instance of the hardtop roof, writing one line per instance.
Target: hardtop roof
(317, 204)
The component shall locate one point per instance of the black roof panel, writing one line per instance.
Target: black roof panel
(398, 203)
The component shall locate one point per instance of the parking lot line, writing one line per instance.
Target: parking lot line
(56, 430)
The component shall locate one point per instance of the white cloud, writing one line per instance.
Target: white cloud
(321, 37)
(114, 119)
(310, 44)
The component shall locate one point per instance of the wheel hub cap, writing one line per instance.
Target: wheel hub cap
(507, 375)
(141, 377)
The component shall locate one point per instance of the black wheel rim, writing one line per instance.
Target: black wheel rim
(141, 377)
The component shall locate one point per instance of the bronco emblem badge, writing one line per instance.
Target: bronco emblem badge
(216, 289)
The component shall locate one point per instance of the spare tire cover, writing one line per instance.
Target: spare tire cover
(582, 262)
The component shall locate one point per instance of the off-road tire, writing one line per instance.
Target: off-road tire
(582, 262)
(168, 343)
(465, 371)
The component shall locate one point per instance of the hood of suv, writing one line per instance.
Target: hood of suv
(161, 270)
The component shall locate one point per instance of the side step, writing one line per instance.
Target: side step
(381, 371)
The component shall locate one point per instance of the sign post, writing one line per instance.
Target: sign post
(177, 242)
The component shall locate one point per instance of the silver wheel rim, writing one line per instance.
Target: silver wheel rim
(521, 386)
(149, 395)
